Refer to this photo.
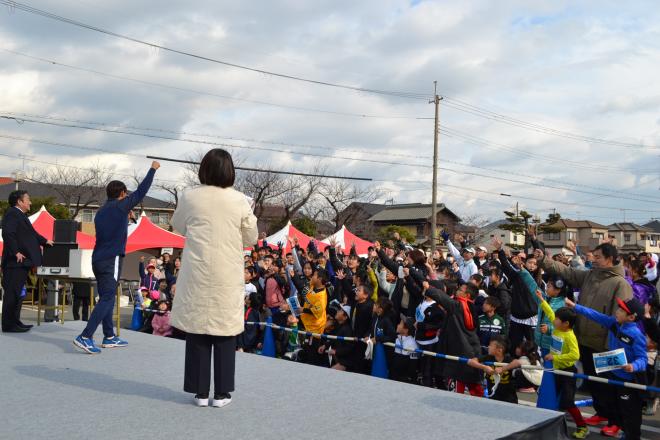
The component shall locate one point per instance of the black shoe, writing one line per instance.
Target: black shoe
(16, 329)
(28, 326)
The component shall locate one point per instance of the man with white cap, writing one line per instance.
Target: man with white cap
(466, 264)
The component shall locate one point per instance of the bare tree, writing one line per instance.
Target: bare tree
(476, 220)
(75, 188)
(338, 194)
(297, 191)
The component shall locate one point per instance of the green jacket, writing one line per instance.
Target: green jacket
(599, 288)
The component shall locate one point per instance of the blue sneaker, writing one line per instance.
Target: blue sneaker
(113, 342)
(86, 345)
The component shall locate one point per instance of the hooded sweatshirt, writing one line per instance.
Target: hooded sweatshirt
(599, 289)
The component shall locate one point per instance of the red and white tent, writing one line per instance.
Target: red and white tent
(346, 239)
(146, 235)
(44, 224)
(287, 231)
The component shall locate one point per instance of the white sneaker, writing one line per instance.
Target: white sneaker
(201, 402)
(222, 400)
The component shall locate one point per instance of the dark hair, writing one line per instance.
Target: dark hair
(114, 189)
(564, 314)
(368, 289)
(217, 169)
(609, 251)
(496, 272)
(493, 302)
(15, 196)
(565, 290)
(321, 274)
(531, 350)
(638, 267)
(418, 258)
(386, 304)
(472, 290)
(255, 300)
(501, 342)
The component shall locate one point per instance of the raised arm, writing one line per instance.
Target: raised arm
(604, 320)
(136, 196)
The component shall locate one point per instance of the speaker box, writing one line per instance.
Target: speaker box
(58, 254)
(65, 231)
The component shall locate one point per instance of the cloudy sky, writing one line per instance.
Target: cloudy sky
(550, 102)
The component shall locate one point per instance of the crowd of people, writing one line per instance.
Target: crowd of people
(517, 308)
(513, 307)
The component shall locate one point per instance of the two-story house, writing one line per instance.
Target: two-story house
(588, 235)
(416, 218)
(635, 238)
(486, 234)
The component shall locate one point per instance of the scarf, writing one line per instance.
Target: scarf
(467, 314)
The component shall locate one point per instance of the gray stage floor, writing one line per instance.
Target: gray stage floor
(49, 389)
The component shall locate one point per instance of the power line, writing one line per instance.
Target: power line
(203, 93)
(646, 199)
(498, 117)
(52, 16)
(275, 150)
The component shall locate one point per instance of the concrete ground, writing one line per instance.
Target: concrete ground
(651, 424)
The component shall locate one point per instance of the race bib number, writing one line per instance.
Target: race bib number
(419, 315)
(557, 345)
(294, 305)
(610, 360)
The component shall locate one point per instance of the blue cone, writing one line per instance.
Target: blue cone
(379, 362)
(547, 392)
(136, 322)
(269, 340)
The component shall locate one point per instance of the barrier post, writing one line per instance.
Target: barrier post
(379, 362)
(269, 340)
(547, 392)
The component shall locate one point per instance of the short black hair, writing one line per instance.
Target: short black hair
(609, 251)
(564, 314)
(217, 169)
(493, 302)
(496, 272)
(472, 290)
(368, 290)
(500, 341)
(322, 275)
(114, 189)
(15, 196)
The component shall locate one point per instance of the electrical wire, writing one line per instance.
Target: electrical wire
(27, 8)
(203, 93)
(612, 193)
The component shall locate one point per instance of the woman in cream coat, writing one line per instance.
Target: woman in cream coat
(218, 223)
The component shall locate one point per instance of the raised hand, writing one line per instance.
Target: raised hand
(155, 165)
(445, 235)
(538, 254)
(497, 243)
(340, 275)
(569, 303)
(377, 245)
(458, 238)
(539, 294)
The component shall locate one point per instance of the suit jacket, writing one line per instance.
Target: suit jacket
(19, 235)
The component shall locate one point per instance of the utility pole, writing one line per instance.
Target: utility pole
(434, 197)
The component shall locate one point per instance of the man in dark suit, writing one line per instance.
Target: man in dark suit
(21, 253)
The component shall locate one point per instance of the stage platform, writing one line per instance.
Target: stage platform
(51, 390)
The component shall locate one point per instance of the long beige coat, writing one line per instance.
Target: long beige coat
(218, 223)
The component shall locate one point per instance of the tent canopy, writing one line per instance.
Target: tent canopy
(287, 231)
(146, 235)
(346, 239)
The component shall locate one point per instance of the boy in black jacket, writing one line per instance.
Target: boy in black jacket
(428, 321)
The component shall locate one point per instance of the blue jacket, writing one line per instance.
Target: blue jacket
(626, 336)
(112, 219)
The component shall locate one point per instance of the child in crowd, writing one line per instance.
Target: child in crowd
(564, 352)
(624, 333)
(293, 345)
(161, 320)
(405, 359)
(428, 320)
(250, 287)
(249, 339)
(497, 352)
(345, 358)
(555, 292)
(150, 280)
(490, 323)
(527, 380)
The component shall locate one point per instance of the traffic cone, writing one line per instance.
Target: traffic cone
(379, 362)
(547, 392)
(136, 322)
(269, 340)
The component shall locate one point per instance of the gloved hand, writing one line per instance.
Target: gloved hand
(445, 235)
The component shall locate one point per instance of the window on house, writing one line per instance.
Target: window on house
(420, 230)
(502, 235)
(599, 235)
(626, 238)
(87, 216)
(571, 235)
(164, 218)
(552, 236)
(492, 236)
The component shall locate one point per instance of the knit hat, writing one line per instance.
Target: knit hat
(155, 295)
(632, 307)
